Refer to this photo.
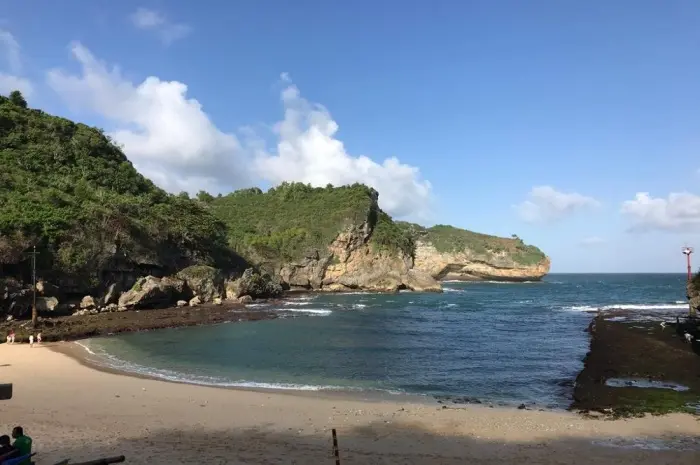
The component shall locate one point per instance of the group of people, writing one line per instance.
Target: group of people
(11, 338)
(20, 447)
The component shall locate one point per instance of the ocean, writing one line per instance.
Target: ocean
(500, 343)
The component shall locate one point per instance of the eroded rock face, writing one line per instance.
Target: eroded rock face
(351, 262)
(204, 281)
(468, 266)
(693, 296)
(152, 292)
(255, 285)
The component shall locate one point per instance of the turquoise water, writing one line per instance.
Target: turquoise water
(497, 342)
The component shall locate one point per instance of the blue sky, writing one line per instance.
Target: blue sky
(540, 118)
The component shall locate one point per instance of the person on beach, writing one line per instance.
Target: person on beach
(31, 340)
(38, 338)
(11, 337)
(23, 444)
(6, 449)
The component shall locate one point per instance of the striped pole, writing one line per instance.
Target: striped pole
(335, 448)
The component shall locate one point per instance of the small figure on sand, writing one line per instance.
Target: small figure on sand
(31, 340)
(11, 337)
(23, 444)
(38, 338)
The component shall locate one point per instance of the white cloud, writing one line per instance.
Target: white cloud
(10, 53)
(151, 20)
(308, 151)
(171, 140)
(548, 204)
(679, 212)
(592, 241)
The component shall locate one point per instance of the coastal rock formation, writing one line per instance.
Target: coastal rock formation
(153, 292)
(449, 253)
(205, 282)
(328, 239)
(255, 285)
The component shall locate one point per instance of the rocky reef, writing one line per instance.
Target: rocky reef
(449, 253)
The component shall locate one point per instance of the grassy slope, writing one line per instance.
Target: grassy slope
(66, 187)
(289, 221)
(448, 239)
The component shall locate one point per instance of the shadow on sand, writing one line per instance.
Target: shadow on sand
(379, 443)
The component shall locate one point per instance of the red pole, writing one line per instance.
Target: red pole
(690, 270)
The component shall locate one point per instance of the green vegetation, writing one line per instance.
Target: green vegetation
(447, 239)
(637, 402)
(68, 189)
(293, 220)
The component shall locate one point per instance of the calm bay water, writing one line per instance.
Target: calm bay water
(498, 342)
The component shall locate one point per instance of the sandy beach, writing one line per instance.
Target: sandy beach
(73, 411)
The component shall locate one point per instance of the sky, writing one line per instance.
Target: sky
(574, 125)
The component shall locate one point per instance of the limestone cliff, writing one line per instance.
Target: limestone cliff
(448, 253)
(331, 239)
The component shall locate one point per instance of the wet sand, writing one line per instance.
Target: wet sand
(74, 411)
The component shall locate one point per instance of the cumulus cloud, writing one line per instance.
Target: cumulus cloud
(166, 30)
(678, 212)
(308, 151)
(170, 138)
(592, 241)
(547, 204)
(10, 78)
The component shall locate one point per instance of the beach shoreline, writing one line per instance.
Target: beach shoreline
(72, 410)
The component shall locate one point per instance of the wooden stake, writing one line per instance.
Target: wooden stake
(335, 448)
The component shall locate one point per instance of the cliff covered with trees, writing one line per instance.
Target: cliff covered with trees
(66, 189)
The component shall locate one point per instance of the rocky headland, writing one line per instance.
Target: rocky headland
(108, 240)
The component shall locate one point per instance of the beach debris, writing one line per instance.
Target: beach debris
(688, 337)
(182, 303)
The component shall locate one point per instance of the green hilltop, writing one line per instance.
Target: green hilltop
(448, 239)
(289, 221)
(69, 190)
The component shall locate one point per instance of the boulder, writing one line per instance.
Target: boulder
(182, 303)
(87, 302)
(46, 304)
(110, 308)
(245, 299)
(217, 301)
(421, 281)
(195, 301)
(46, 289)
(152, 292)
(204, 281)
(257, 285)
(112, 294)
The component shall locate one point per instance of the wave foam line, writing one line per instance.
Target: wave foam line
(311, 311)
(594, 308)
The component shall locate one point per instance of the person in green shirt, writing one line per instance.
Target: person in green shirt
(22, 443)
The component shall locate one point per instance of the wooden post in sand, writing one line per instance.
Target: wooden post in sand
(335, 448)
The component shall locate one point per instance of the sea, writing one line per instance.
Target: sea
(489, 342)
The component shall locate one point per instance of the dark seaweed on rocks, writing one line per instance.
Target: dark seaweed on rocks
(638, 350)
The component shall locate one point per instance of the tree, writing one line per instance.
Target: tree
(204, 196)
(17, 98)
(184, 195)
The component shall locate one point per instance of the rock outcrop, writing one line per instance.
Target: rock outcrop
(151, 292)
(693, 293)
(449, 253)
(254, 284)
(205, 282)
(465, 265)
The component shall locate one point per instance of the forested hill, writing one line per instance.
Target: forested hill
(68, 189)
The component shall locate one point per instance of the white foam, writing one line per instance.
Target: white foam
(595, 308)
(311, 311)
(452, 289)
(451, 305)
(359, 305)
(89, 351)
(299, 303)
(681, 302)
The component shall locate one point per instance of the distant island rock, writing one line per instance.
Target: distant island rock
(449, 253)
(108, 239)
